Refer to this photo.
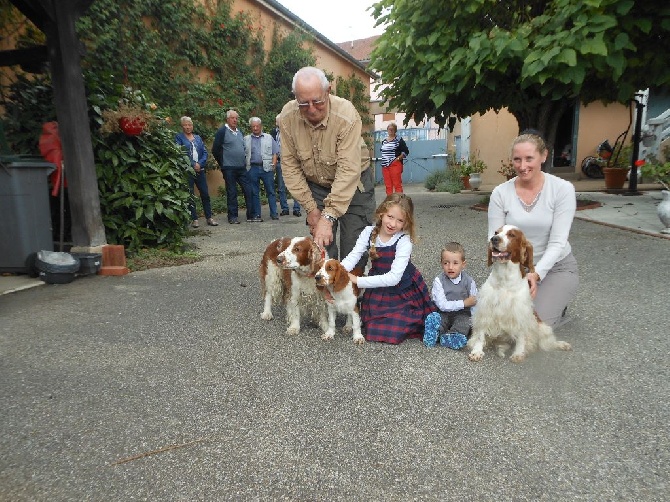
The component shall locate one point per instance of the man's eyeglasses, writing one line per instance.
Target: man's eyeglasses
(316, 103)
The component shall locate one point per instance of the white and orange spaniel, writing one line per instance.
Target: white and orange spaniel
(287, 273)
(342, 297)
(505, 315)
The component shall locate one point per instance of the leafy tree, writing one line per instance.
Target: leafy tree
(449, 60)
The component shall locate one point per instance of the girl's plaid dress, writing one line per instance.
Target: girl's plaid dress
(394, 313)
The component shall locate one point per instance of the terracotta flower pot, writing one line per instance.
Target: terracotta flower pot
(466, 182)
(131, 126)
(615, 178)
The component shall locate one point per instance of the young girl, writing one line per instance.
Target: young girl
(396, 299)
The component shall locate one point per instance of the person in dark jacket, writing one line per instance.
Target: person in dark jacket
(197, 153)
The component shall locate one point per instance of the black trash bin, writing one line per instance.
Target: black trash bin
(25, 221)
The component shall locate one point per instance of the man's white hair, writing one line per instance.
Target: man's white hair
(311, 71)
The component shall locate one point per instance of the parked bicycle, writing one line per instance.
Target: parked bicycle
(607, 155)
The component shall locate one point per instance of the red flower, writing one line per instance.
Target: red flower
(222, 26)
(220, 101)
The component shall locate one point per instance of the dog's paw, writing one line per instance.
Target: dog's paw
(359, 339)
(347, 329)
(292, 330)
(476, 356)
(517, 358)
(560, 345)
(266, 316)
(328, 335)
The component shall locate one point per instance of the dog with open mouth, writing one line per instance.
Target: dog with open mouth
(505, 316)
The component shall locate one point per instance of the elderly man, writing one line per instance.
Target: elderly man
(228, 150)
(325, 162)
(262, 151)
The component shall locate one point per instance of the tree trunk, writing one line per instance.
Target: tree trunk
(544, 119)
(73, 125)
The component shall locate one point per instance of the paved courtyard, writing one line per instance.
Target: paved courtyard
(167, 385)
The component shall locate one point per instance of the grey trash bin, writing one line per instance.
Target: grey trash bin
(25, 215)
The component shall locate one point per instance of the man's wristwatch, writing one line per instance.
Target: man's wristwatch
(329, 217)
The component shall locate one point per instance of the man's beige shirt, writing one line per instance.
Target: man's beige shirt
(331, 154)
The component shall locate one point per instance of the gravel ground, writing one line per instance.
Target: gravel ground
(167, 385)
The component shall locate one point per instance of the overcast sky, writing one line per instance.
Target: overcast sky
(339, 20)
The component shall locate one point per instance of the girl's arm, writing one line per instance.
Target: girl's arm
(362, 244)
(403, 251)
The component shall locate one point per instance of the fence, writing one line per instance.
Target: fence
(427, 153)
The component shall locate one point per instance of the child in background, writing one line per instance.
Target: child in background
(396, 299)
(455, 294)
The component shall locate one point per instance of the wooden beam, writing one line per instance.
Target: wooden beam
(35, 54)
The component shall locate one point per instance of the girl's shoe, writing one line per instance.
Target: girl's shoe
(431, 325)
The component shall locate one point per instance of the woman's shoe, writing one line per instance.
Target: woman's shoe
(212, 223)
(195, 224)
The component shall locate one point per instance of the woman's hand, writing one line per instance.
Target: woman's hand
(533, 278)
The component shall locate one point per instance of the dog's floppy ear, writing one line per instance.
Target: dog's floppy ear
(527, 254)
(340, 275)
(489, 260)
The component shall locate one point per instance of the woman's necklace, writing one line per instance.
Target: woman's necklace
(528, 207)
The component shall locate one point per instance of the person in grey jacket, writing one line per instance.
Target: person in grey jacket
(262, 151)
(228, 150)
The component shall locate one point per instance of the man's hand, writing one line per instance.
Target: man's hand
(197, 167)
(320, 228)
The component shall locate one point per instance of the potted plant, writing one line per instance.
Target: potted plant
(616, 168)
(660, 173)
(507, 169)
(471, 170)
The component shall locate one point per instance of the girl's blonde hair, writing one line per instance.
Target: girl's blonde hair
(406, 206)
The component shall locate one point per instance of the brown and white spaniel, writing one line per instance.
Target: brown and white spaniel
(504, 315)
(342, 296)
(287, 273)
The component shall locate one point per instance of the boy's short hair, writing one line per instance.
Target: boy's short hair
(453, 247)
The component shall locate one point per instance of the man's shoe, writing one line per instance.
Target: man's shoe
(284, 212)
(233, 221)
(212, 223)
(195, 224)
(255, 219)
(274, 217)
(297, 213)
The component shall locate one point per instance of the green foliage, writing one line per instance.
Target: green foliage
(526, 56)
(355, 90)
(657, 170)
(445, 180)
(28, 105)
(143, 188)
(286, 57)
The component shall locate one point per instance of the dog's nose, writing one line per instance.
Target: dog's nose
(495, 239)
(318, 277)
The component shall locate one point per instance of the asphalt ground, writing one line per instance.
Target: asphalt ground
(167, 385)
